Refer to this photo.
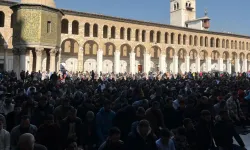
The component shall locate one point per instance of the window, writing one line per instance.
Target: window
(48, 26)
(201, 41)
(86, 30)
(195, 41)
(212, 42)
(95, 30)
(122, 33)
(143, 35)
(152, 36)
(166, 38)
(65, 26)
(113, 32)
(206, 41)
(2, 18)
(190, 40)
(75, 27)
(184, 39)
(217, 43)
(105, 31)
(137, 35)
(129, 34)
(158, 37)
(179, 39)
(172, 38)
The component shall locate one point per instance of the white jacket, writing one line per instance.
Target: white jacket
(4, 140)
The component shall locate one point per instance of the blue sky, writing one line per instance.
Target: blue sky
(227, 15)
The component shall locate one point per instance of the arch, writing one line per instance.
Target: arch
(125, 50)
(170, 51)
(193, 54)
(184, 39)
(206, 41)
(143, 36)
(195, 41)
(234, 55)
(235, 45)
(240, 45)
(112, 32)
(212, 42)
(248, 57)
(70, 46)
(247, 46)
(203, 55)
(243, 46)
(90, 48)
(190, 40)
(151, 36)
(137, 31)
(107, 65)
(215, 55)
(2, 19)
(172, 38)
(158, 40)
(227, 44)
(179, 39)
(201, 41)
(89, 65)
(166, 38)
(95, 30)
(225, 55)
(232, 44)
(75, 27)
(242, 56)
(182, 53)
(155, 52)
(223, 43)
(105, 31)
(122, 30)
(139, 51)
(87, 30)
(109, 49)
(65, 26)
(129, 34)
(217, 42)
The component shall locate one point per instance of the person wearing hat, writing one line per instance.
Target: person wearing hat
(4, 136)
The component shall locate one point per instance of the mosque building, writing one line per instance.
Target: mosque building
(38, 36)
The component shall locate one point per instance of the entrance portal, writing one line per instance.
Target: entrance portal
(139, 68)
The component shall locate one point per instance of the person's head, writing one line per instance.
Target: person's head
(72, 113)
(25, 122)
(49, 119)
(43, 101)
(17, 108)
(114, 134)
(90, 116)
(206, 115)
(165, 135)
(107, 105)
(224, 115)
(144, 127)
(188, 124)
(26, 142)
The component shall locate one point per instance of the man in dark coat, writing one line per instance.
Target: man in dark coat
(142, 138)
(27, 142)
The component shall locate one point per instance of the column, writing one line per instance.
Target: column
(208, 62)
(229, 67)
(22, 52)
(245, 65)
(237, 65)
(52, 66)
(220, 62)
(99, 61)
(16, 62)
(59, 60)
(30, 61)
(187, 63)
(132, 62)
(162, 63)
(117, 64)
(80, 59)
(39, 53)
(70, 27)
(5, 58)
(198, 64)
(175, 62)
(146, 63)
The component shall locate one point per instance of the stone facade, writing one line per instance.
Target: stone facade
(110, 44)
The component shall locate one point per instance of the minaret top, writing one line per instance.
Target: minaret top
(49, 3)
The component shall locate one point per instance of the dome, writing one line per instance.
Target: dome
(49, 3)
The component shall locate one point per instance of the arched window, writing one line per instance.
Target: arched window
(217, 43)
(223, 43)
(143, 34)
(95, 30)
(172, 38)
(190, 40)
(86, 30)
(2, 18)
(177, 5)
(151, 36)
(179, 39)
(232, 44)
(137, 35)
(227, 44)
(235, 45)
(128, 34)
(247, 45)
(243, 46)
(158, 37)
(65, 26)
(166, 37)
(206, 41)
(122, 33)
(212, 42)
(195, 41)
(105, 31)
(184, 39)
(113, 32)
(75, 27)
(201, 41)
(240, 45)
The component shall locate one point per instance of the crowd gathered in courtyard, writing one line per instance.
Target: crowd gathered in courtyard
(155, 111)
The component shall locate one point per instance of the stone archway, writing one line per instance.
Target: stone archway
(107, 66)
(89, 65)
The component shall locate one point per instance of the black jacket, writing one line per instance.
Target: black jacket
(224, 132)
(40, 113)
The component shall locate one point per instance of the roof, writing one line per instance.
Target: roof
(202, 18)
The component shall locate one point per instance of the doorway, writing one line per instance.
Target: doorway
(140, 68)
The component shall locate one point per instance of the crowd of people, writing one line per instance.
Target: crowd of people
(159, 111)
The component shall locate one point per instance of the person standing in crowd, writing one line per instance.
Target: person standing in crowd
(14, 118)
(190, 133)
(27, 142)
(61, 111)
(7, 106)
(104, 121)
(4, 136)
(165, 142)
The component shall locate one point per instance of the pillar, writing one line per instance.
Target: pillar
(237, 65)
(39, 53)
(5, 58)
(245, 65)
(176, 65)
(220, 62)
(70, 27)
(22, 52)
(198, 64)
(117, 63)
(52, 66)
(229, 67)
(30, 61)
(208, 62)
(187, 63)
(99, 61)
(80, 59)
(59, 60)
(16, 62)
(146, 63)
(162, 63)
(132, 62)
